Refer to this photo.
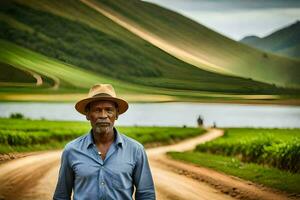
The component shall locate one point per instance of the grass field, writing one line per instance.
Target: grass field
(19, 135)
(265, 156)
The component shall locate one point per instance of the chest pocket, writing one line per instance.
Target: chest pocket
(120, 175)
(124, 168)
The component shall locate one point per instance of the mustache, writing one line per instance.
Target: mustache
(99, 121)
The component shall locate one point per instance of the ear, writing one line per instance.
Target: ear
(117, 115)
(87, 116)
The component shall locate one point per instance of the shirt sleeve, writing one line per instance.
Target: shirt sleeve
(142, 177)
(65, 181)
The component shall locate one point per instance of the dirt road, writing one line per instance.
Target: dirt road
(171, 185)
(34, 177)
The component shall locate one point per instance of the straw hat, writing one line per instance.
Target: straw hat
(101, 92)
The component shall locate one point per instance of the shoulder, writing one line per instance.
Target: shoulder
(136, 149)
(130, 142)
(78, 142)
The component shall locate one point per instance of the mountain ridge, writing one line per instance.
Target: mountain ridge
(285, 41)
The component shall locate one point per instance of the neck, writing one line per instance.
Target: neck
(103, 137)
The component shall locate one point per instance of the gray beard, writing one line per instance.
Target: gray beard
(102, 130)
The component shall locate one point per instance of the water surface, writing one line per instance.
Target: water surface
(171, 114)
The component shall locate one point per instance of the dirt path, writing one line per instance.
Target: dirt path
(20, 176)
(37, 77)
(34, 177)
(174, 186)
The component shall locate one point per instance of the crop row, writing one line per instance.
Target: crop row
(148, 135)
(21, 138)
(268, 150)
(16, 133)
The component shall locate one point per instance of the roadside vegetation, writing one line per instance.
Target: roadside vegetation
(20, 135)
(274, 147)
(265, 156)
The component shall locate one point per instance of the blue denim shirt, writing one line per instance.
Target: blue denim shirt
(83, 171)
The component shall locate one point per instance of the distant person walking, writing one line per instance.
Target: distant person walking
(200, 121)
(214, 125)
(104, 164)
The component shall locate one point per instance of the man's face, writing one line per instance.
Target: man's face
(102, 116)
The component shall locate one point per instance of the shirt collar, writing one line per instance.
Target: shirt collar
(118, 139)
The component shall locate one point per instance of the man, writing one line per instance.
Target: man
(104, 164)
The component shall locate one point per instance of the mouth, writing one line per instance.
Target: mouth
(103, 124)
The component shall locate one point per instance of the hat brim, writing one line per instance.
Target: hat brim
(80, 105)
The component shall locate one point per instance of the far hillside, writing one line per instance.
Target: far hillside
(99, 45)
(55, 50)
(285, 41)
(198, 45)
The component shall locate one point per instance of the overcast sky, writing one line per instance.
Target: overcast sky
(238, 18)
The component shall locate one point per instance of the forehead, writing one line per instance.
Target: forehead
(102, 104)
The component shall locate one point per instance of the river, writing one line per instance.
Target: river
(171, 114)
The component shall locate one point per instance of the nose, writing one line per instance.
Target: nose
(102, 114)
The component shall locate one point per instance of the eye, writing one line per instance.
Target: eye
(96, 110)
(110, 110)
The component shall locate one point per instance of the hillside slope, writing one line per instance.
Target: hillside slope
(58, 49)
(74, 33)
(198, 45)
(285, 41)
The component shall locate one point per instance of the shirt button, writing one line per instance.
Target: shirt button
(102, 183)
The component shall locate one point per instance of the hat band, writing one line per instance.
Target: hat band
(102, 95)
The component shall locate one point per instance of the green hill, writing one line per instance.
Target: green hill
(285, 41)
(198, 45)
(72, 46)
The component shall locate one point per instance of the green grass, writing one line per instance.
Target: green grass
(267, 176)
(235, 134)
(18, 135)
(98, 50)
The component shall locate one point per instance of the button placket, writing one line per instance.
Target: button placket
(96, 152)
(101, 178)
(100, 175)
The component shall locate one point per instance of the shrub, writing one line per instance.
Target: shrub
(263, 150)
(16, 116)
